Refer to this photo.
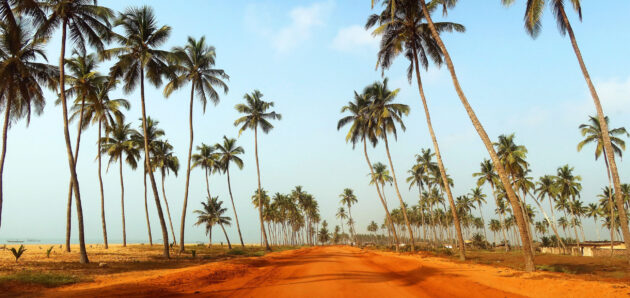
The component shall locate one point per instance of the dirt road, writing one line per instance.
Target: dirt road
(340, 272)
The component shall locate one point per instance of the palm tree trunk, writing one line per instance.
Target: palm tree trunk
(352, 231)
(100, 183)
(147, 163)
(226, 236)
(71, 162)
(483, 221)
(608, 150)
(122, 201)
(238, 227)
(190, 145)
(389, 218)
(438, 155)
(168, 211)
(612, 209)
(210, 237)
(520, 221)
(402, 204)
(76, 159)
(146, 207)
(260, 202)
(552, 224)
(5, 130)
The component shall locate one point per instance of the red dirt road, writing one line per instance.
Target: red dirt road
(340, 272)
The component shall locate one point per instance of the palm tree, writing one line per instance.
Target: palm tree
(359, 132)
(83, 81)
(208, 160)
(153, 135)
(569, 188)
(382, 119)
(348, 198)
(212, 214)
(228, 153)
(478, 197)
(592, 131)
(256, 115)
(546, 187)
(403, 30)
(88, 23)
(118, 141)
(194, 63)
(341, 214)
(21, 78)
(138, 57)
(165, 160)
(390, 4)
(594, 211)
(533, 15)
(103, 110)
(495, 226)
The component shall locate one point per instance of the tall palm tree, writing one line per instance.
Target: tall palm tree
(152, 135)
(88, 24)
(103, 110)
(594, 211)
(165, 160)
(116, 143)
(383, 116)
(360, 133)
(533, 26)
(139, 57)
(83, 81)
(212, 214)
(256, 115)
(390, 4)
(592, 131)
(348, 198)
(208, 160)
(341, 214)
(569, 188)
(194, 63)
(228, 153)
(478, 197)
(403, 30)
(546, 187)
(21, 78)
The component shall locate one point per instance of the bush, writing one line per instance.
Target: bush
(18, 253)
(479, 241)
(41, 278)
(236, 252)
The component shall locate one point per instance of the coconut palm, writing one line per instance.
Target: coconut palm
(592, 131)
(341, 214)
(478, 197)
(546, 187)
(228, 153)
(348, 198)
(495, 227)
(139, 57)
(390, 5)
(116, 143)
(594, 211)
(256, 115)
(359, 133)
(165, 160)
(212, 214)
(569, 189)
(533, 25)
(383, 114)
(403, 31)
(103, 110)
(22, 78)
(153, 135)
(83, 81)
(88, 24)
(194, 63)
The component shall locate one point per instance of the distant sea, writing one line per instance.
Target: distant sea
(10, 241)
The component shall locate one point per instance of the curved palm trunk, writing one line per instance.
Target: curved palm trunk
(612, 209)
(5, 130)
(608, 150)
(168, 210)
(122, 201)
(260, 203)
(100, 183)
(552, 224)
(352, 231)
(71, 160)
(238, 227)
(76, 159)
(389, 218)
(190, 145)
(402, 204)
(520, 221)
(147, 163)
(226, 237)
(146, 208)
(438, 155)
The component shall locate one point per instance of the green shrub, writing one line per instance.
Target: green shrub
(236, 252)
(18, 253)
(41, 278)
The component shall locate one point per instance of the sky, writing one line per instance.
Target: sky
(308, 57)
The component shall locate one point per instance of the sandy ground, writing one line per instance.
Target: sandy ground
(337, 271)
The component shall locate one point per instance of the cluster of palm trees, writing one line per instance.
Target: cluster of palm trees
(407, 27)
(133, 40)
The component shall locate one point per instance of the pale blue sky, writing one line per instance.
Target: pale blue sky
(308, 57)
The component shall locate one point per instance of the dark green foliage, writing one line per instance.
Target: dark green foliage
(40, 278)
(18, 253)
